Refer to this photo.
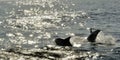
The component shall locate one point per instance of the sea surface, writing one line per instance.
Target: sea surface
(33, 25)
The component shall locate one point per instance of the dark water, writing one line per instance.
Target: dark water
(31, 24)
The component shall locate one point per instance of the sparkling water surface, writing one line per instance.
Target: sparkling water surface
(34, 24)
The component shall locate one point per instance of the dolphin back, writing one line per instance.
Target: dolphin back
(63, 42)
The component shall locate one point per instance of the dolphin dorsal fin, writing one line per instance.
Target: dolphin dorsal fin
(93, 35)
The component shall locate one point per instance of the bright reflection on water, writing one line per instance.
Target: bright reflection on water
(36, 23)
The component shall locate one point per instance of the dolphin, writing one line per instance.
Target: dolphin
(63, 42)
(66, 41)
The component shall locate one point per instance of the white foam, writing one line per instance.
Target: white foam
(77, 41)
(77, 45)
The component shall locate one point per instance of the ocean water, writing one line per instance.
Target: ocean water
(33, 24)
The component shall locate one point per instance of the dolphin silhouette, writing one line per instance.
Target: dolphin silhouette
(63, 42)
(66, 41)
(93, 35)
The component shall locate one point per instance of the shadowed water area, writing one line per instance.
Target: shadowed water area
(28, 29)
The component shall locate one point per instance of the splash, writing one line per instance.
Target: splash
(105, 39)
